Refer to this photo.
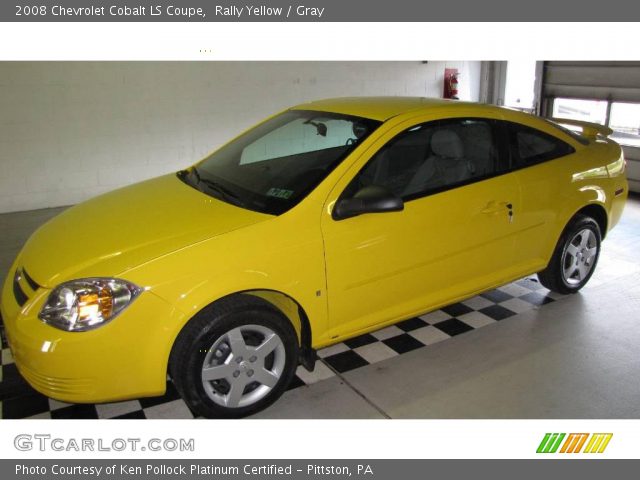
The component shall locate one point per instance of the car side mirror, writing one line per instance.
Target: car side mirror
(371, 199)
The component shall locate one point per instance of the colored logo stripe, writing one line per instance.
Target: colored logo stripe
(550, 442)
(574, 443)
(597, 443)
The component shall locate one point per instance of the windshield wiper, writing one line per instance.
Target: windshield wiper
(223, 191)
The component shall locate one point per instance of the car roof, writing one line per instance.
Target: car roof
(384, 108)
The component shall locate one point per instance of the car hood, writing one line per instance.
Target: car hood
(125, 228)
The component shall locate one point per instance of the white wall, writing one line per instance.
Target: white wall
(69, 131)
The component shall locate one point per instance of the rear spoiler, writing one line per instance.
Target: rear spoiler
(589, 130)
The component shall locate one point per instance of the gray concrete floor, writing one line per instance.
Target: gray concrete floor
(574, 358)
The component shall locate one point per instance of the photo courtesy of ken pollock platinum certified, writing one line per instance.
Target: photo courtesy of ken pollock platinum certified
(187, 469)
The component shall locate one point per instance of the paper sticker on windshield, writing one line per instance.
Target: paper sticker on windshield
(280, 193)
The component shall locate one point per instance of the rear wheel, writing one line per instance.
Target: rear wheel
(234, 358)
(575, 257)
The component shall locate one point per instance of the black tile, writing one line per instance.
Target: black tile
(411, 324)
(10, 373)
(295, 383)
(497, 312)
(25, 405)
(137, 415)
(403, 343)
(360, 341)
(170, 395)
(496, 296)
(345, 361)
(78, 411)
(536, 298)
(453, 327)
(13, 385)
(457, 309)
(3, 338)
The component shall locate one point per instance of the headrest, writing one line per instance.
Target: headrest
(447, 143)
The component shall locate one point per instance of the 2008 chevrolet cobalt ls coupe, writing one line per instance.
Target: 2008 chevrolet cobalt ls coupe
(326, 221)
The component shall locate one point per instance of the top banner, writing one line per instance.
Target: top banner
(318, 11)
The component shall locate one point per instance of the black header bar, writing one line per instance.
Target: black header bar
(319, 11)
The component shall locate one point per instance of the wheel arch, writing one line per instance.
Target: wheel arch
(593, 209)
(284, 304)
(598, 213)
(554, 275)
(290, 308)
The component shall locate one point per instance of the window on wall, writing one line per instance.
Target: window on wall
(594, 111)
(625, 123)
(622, 117)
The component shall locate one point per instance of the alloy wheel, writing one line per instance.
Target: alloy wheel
(243, 366)
(579, 257)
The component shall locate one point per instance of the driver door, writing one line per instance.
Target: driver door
(453, 238)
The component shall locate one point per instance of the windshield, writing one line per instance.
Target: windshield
(276, 164)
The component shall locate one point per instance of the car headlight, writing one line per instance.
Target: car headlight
(87, 303)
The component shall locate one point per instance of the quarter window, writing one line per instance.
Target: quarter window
(432, 157)
(529, 146)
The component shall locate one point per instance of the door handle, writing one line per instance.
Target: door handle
(494, 207)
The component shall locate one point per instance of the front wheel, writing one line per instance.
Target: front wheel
(234, 358)
(575, 257)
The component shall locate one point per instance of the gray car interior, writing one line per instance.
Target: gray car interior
(429, 158)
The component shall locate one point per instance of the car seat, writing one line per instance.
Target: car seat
(445, 165)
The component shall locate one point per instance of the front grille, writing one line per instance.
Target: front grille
(21, 297)
(19, 290)
(32, 283)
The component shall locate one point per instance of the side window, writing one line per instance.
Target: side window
(530, 146)
(432, 157)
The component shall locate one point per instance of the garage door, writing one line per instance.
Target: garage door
(602, 92)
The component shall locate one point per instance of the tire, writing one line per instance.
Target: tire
(234, 358)
(574, 258)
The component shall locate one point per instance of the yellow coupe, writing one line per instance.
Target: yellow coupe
(323, 222)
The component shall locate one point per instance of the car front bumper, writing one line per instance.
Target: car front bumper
(125, 358)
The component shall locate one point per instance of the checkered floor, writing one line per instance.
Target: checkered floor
(18, 400)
